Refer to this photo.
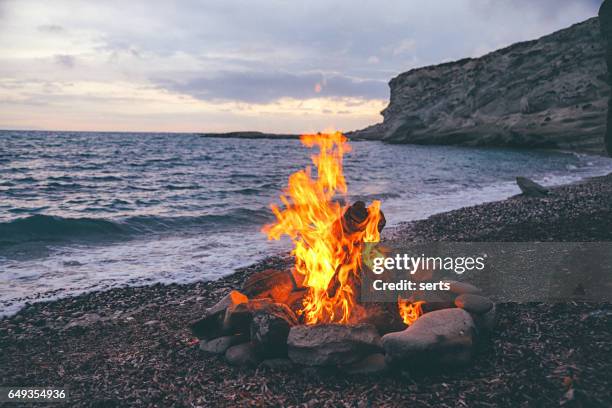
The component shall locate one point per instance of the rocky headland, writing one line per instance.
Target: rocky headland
(547, 93)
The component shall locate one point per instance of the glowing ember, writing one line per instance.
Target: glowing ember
(327, 247)
(409, 311)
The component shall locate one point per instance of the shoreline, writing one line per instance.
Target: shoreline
(105, 345)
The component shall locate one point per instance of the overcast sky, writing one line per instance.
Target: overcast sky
(277, 66)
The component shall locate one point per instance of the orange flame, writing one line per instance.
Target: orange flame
(327, 253)
(409, 311)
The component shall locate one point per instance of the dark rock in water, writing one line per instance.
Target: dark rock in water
(280, 286)
(221, 344)
(332, 344)
(374, 363)
(550, 92)
(460, 288)
(212, 324)
(278, 364)
(269, 329)
(530, 188)
(474, 303)
(242, 355)
(443, 337)
(605, 22)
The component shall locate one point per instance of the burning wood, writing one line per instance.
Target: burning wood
(328, 237)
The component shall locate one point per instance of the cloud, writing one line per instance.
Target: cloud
(64, 60)
(233, 53)
(265, 87)
(50, 28)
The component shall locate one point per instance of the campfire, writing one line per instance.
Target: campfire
(311, 312)
(328, 237)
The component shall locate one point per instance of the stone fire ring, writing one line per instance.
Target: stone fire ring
(259, 327)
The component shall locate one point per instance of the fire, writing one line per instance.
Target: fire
(328, 243)
(409, 311)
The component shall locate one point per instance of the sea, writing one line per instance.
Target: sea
(84, 211)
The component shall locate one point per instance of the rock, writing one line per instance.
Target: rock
(442, 337)
(551, 92)
(474, 303)
(212, 324)
(485, 322)
(331, 344)
(530, 188)
(84, 321)
(434, 300)
(221, 344)
(269, 329)
(460, 288)
(242, 355)
(605, 22)
(278, 364)
(374, 363)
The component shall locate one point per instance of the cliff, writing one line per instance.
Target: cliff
(552, 92)
(605, 20)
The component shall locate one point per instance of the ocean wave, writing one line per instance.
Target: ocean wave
(36, 228)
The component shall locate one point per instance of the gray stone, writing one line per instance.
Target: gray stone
(242, 355)
(372, 364)
(530, 188)
(551, 92)
(474, 303)
(221, 344)
(332, 344)
(278, 364)
(442, 337)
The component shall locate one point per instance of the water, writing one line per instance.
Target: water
(87, 211)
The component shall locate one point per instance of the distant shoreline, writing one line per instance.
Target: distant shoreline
(250, 135)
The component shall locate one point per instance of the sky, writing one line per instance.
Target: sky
(214, 66)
